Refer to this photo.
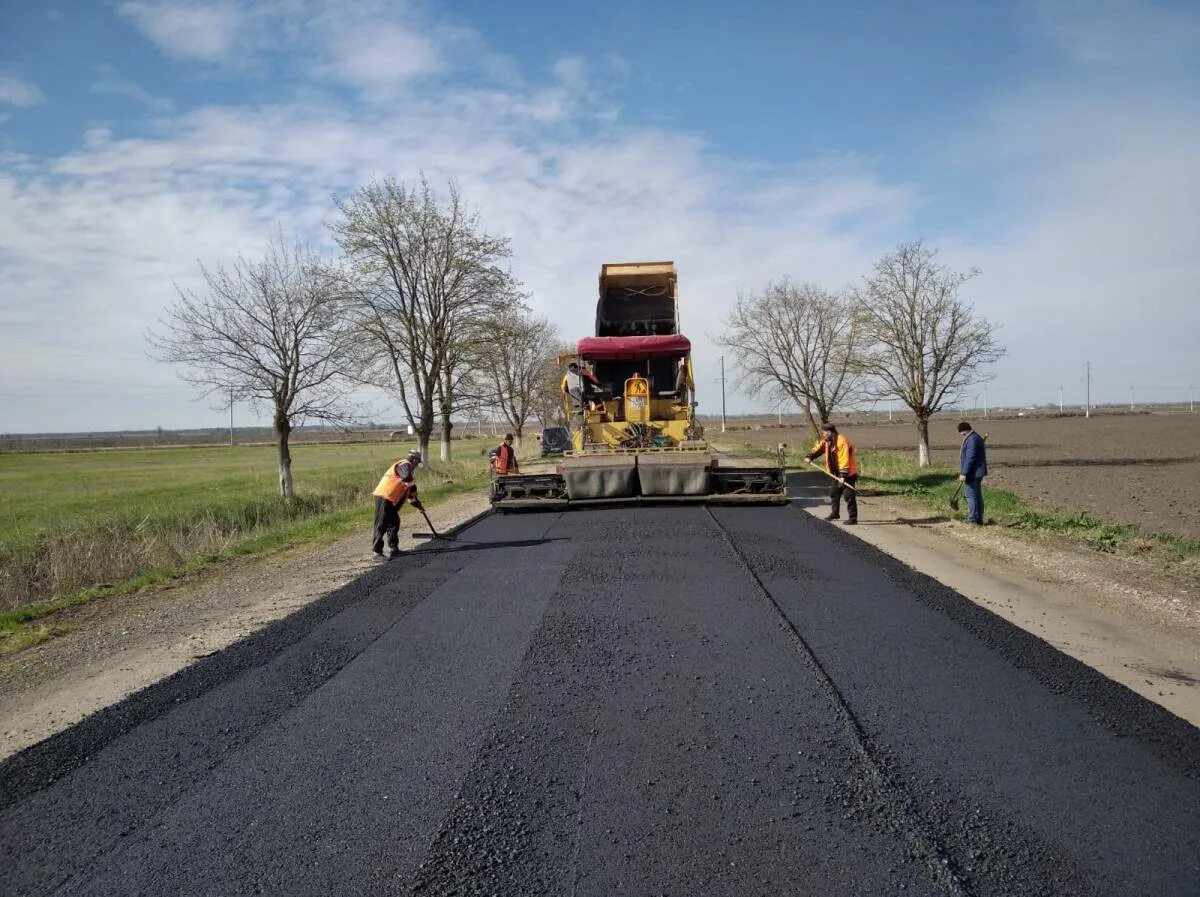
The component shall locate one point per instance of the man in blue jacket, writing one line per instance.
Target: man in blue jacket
(972, 468)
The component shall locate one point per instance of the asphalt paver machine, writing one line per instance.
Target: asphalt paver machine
(634, 434)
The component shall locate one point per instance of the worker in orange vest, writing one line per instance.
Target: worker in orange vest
(396, 486)
(506, 457)
(842, 465)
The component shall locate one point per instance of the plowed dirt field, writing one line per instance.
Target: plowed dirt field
(1142, 469)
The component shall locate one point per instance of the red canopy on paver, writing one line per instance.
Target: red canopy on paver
(612, 348)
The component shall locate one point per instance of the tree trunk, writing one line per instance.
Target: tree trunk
(283, 430)
(923, 444)
(812, 421)
(447, 426)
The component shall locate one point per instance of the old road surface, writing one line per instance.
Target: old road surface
(660, 700)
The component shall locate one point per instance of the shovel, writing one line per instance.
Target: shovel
(433, 533)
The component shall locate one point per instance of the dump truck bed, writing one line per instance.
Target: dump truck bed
(637, 299)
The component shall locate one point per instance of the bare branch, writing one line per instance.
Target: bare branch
(274, 332)
(797, 342)
(925, 344)
(426, 275)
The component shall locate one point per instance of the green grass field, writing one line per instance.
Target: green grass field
(75, 525)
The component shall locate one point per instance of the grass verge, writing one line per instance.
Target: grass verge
(328, 518)
(931, 487)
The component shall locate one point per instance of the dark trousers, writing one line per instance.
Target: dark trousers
(973, 490)
(387, 521)
(836, 493)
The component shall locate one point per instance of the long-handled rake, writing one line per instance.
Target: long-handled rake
(815, 466)
(433, 533)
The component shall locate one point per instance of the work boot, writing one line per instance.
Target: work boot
(852, 521)
(832, 517)
(394, 553)
(377, 549)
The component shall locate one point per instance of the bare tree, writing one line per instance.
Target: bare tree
(925, 345)
(465, 384)
(273, 332)
(798, 342)
(515, 363)
(547, 400)
(427, 272)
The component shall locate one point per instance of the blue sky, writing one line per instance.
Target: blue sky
(1051, 145)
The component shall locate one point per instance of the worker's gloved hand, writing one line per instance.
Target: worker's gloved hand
(416, 503)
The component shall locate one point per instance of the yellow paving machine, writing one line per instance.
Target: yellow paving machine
(631, 402)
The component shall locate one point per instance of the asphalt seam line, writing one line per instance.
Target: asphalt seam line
(921, 841)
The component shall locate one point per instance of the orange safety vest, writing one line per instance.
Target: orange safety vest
(396, 487)
(839, 457)
(506, 459)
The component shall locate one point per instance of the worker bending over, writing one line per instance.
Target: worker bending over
(397, 486)
(506, 457)
(842, 464)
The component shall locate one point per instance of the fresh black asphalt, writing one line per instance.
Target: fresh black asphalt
(659, 700)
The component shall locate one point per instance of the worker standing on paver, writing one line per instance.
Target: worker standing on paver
(506, 457)
(841, 463)
(396, 486)
(972, 468)
(572, 387)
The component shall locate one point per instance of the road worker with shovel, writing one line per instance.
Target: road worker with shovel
(396, 486)
(842, 465)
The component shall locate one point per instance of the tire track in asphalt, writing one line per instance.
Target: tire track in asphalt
(897, 804)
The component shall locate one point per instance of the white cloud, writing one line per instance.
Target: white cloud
(16, 92)
(373, 45)
(189, 29)
(99, 236)
(1099, 201)
(110, 84)
(380, 55)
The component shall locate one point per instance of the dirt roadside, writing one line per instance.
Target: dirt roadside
(119, 645)
(1128, 618)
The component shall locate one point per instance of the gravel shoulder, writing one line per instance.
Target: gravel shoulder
(119, 645)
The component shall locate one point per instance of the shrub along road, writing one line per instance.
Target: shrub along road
(664, 700)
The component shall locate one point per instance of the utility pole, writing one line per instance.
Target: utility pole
(1130, 396)
(985, 404)
(1087, 408)
(1060, 404)
(722, 393)
(1192, 398)
(780, 410)
(231, 415)
(890, 410)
